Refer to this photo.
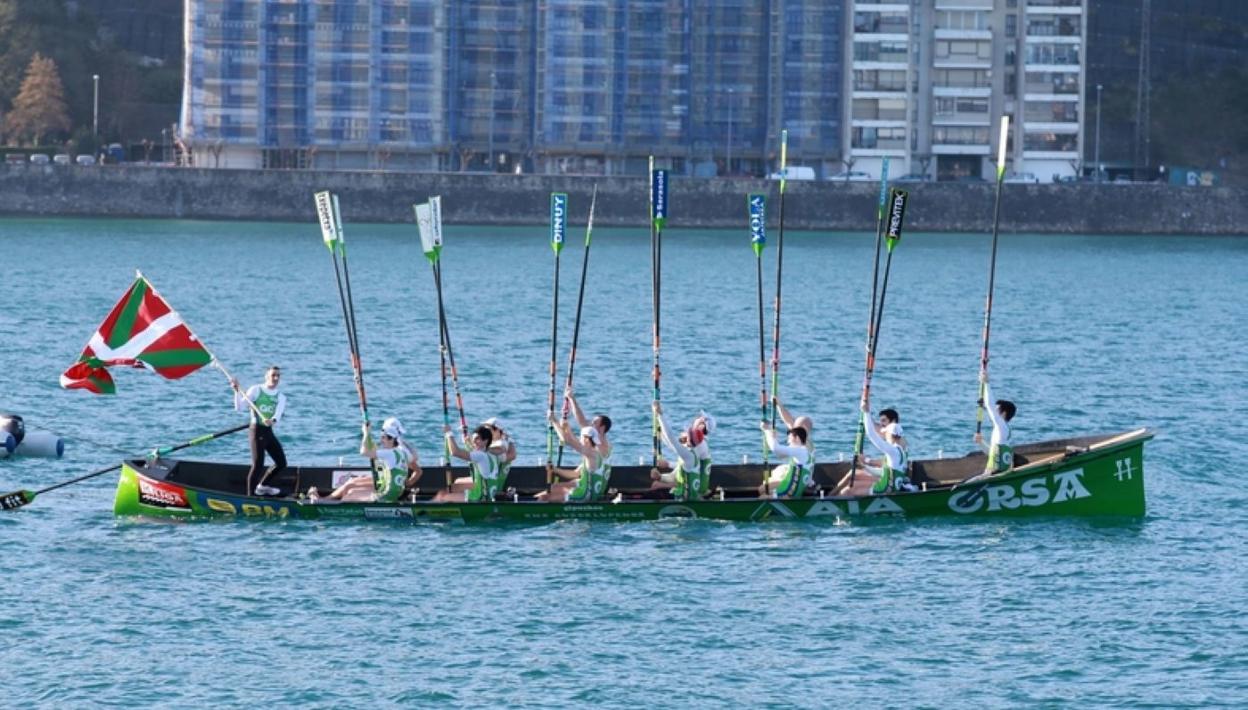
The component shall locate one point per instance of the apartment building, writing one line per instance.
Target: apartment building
(548, 86)
(929, 80)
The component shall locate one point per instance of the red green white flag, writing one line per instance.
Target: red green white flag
(141, 331)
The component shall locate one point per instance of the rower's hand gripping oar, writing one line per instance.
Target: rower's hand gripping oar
(576, 328)
(897, 200)
(17, 499)
(558, 227)
(992, 271)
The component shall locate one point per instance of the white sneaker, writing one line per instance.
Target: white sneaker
(267, 491)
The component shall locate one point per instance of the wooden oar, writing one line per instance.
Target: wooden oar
(757, 206)
(558, 224)
(875, 284)
(580, 301)
(897, 200)
(992, 271)
(17, 499)
(775, 340)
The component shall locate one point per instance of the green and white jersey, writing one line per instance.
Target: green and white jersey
(588, 484)
(894, 469)
(485, 476)
(1000, 453)
(602, 478)
(390, 479)
(692, 483)
(798, 468)
(270, 402)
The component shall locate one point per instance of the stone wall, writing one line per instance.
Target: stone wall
(272, 195)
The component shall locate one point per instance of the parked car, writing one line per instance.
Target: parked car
(40, 158)
(1023, 178)
(15, 158)
(61, 159)
(852, 176)
(914, 177)
(795, 172)
(85, 160)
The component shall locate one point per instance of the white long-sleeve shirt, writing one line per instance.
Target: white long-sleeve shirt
(687, 458)
(800, 454)
(891, 451)
(1000, 427)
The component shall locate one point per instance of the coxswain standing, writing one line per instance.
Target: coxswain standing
(266, 404)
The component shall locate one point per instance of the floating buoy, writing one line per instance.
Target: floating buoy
(15, 440)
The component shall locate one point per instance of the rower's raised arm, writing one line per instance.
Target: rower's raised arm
(785, 416)
(456, 450)
(575, 406)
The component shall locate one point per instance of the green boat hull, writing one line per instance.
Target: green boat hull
(1101, 480)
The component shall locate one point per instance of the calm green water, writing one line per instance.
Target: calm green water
(1089, 335)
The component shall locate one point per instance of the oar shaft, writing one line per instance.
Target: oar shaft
(19, 498)
(762, 355)
(450, 354)
(354, 336)
(580, 303)
(554, 343)
(992, 274)
(775, 341)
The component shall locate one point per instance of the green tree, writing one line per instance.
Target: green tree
(39, 109)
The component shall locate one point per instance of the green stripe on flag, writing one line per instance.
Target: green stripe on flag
(125, 320)
(188, 357)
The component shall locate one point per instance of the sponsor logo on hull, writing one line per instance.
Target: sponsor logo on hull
(250, 510)
(1031, 493)
(158, 494)
(388, 513)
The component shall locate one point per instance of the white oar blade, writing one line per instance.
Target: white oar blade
(326, 202)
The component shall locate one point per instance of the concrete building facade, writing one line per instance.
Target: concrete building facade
(929, 80)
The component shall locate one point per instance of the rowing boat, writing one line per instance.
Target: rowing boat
(1085, 476)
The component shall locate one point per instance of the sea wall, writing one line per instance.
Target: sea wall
(472, 198)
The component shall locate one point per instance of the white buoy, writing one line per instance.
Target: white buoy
(41, 443)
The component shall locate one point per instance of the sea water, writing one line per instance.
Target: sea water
(1089, 335)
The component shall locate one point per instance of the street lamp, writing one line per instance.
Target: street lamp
(728, 163)
(95, 106)
(1096, 158)
(492, 86)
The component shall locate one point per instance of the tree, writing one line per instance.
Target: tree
(39, 109)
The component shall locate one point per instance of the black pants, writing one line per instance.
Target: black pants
(263, 441)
